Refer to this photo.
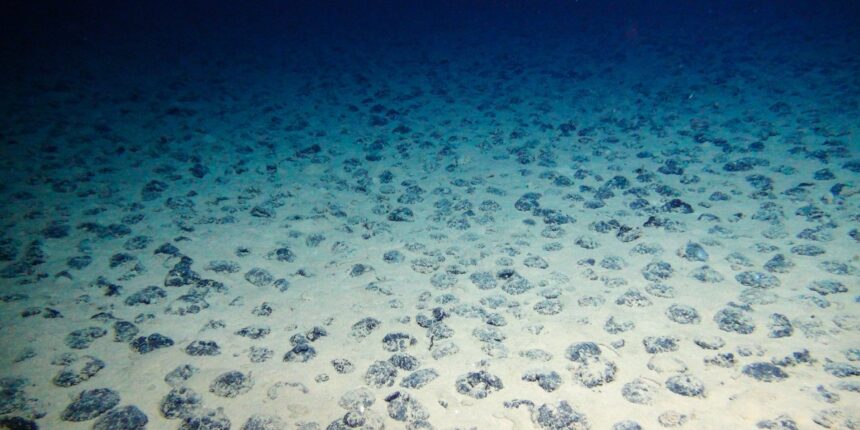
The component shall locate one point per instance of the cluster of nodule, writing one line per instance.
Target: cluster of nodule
(447, 254)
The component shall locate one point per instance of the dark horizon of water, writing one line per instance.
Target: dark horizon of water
(35, 31)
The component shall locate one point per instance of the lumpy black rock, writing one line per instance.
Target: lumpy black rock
(757, 280)
(765, 372)
(658, 344)
(147, 296)
(478, 384)
(300, 353)
(124, 418)
(78, 371)
(259, 277)
(657, 271)
(686, 385)
(90, 404)
(419, 378)
(147, 344)
(560, 416)
(82, 338)
(231, 384)
(683, 314)
(380, 374)
(549, 381)
(180, 402)
(733, 319)
(203, 348)
(264, 422)
(206, 419)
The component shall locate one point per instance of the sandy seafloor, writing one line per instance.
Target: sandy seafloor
(354, 204)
